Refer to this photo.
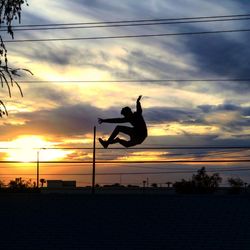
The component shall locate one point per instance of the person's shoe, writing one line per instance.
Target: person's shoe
(104, 143)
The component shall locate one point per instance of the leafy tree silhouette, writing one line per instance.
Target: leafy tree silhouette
(9, 10)
(204, 182)
(200, 183)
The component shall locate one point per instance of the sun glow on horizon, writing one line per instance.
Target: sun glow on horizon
(25, 149)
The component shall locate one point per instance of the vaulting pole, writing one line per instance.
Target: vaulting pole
(93, 174)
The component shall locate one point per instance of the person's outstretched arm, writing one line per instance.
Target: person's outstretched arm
(138, 105)
(112, 120)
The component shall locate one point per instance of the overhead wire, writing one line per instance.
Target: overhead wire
(126, 25)
(133, 173)
(133, 21)
(130, 162)
(134, 148)
(126, 36)
(140, 80)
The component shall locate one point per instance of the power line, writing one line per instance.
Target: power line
(133, 148)
(176, 168)
(127, 36)
(208, 154)
(133, 21)
(186, 157)
(126, 25)
(28, 165)
(140, 80)
(130, 162)
(133, 173)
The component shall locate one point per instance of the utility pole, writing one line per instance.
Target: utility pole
(93, 174)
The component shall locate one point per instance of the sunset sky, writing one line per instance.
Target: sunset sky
(56, 114)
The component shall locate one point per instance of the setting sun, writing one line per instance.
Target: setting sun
(25, 150)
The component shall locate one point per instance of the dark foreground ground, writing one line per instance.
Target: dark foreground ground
(60, 221)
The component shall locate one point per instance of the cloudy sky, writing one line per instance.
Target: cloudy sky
(177, 113)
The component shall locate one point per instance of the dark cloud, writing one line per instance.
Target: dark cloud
(48, 93)
(237, 124)
(141, 62)
(73, 120)
(158, 115)
(59, 55)
(63, 121)
(222, 56)
(197, 140)
(227, 117)
(66, 120)
(222, 107)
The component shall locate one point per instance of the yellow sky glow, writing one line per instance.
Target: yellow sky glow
(25, 150)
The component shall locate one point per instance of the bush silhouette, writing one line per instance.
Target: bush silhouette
(43, 181)
(184, 187)
(20, 185)
(154, 185)
(236, 185)
(1, 184)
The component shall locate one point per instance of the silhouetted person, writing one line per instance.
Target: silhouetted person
(137, 133)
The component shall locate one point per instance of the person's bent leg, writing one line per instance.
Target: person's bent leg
(117, 130)
(114, 139)
(105, 144)
(126, 144)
